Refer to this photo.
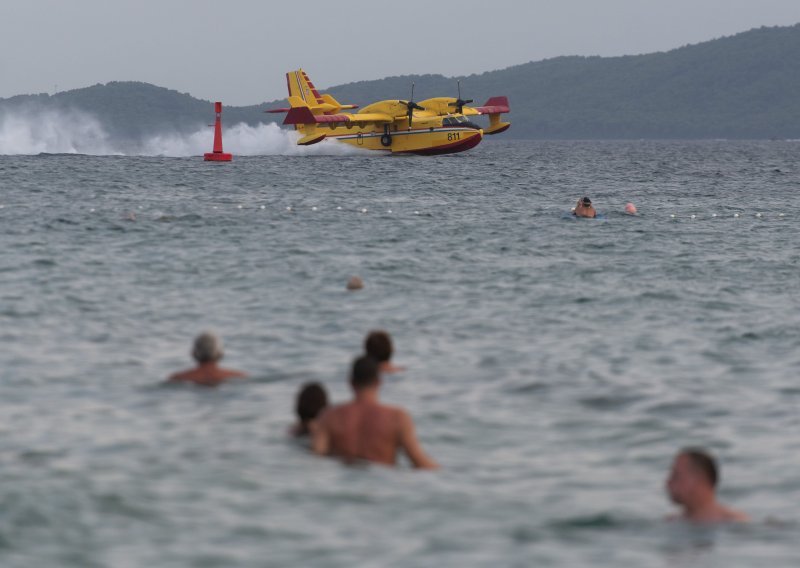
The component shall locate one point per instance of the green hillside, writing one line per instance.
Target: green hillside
(743, 86)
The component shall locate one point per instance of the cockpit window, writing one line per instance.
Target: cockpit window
(454, 120)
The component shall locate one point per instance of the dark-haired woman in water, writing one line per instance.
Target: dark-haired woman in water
(311, 401)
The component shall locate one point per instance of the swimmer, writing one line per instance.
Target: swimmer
(365, 429)
(692, 485)
(630, 209)
(207, 352)
(378, 345)
(355, 283)
(311, 401)
(584, 209)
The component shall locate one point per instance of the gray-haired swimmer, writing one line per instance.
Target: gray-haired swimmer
(692, 485)
(311, 401)
(207, 352)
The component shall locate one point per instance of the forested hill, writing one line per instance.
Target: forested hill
(743, 86)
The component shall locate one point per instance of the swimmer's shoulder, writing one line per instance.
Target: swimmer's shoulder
(232, 374)
(332, 413)
(185, 375)
(398, 416)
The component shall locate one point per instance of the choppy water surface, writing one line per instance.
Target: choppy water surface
(554, 366)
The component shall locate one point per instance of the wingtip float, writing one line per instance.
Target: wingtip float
(433, 126)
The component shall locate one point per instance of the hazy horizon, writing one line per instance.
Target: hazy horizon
(239, 53)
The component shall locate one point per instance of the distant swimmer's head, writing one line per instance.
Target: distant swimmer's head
(630, 209)
(365, 373)
(694, 474)
(355, 283)
(310, 402)
(378, 345)
(586, 202)
(207, 348)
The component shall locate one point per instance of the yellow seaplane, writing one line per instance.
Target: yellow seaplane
(433, 126)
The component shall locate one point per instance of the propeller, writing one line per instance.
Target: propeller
(411, 106)
(459, 103)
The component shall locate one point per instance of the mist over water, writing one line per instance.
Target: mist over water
(31, 132)
(242, 140)
(53, 132)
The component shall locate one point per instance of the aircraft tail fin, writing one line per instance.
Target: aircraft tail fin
(301, 86)
(307, 108)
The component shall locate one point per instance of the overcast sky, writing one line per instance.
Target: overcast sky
(237, 51)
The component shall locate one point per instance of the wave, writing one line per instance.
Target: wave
(77, 132)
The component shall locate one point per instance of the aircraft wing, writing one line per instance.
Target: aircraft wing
(303, 115)
(495, 105)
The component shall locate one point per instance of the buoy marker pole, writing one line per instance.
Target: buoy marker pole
(218, 155)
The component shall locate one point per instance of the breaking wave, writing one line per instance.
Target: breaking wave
(76, 132)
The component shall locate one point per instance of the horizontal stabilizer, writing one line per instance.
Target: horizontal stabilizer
(334, 104)
(495, 105)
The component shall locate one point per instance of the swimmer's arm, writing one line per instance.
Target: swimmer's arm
(320, 437)
(738, 516)
(390, 368)
(411, 445)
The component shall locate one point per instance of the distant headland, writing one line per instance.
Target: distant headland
(739, 87)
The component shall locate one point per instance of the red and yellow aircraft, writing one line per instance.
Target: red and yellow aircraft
(433, 126)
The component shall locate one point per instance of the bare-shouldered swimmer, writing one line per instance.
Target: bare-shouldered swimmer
(692, 485)
(584, 208)
(365, 429)
(207, 352)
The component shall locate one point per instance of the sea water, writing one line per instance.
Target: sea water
(554, 366)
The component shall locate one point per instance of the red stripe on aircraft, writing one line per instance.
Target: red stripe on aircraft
(314, 90)
(453, 148)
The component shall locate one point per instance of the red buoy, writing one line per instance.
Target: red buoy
(218, 155)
